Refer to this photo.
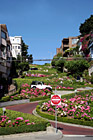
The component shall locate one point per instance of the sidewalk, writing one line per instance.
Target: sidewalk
(49, 134)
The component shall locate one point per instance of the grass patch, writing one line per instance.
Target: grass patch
(40, 124)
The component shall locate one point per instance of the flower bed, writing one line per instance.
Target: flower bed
(78, 108)
(6, 122)
(63, 88)
(36, 75)
(28, 93)
(16, 122)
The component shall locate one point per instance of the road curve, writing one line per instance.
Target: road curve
(66, 129)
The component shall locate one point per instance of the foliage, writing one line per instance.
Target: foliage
(24, 50)
(60, 64)
(26, 92)
(76, 67)
(54, 61)
(85, 42)
(24, 66)
(16, 122)
(30, 59)
(63, 119)
(23, 129)
(87, 26)
(13, 71)
(77, 109)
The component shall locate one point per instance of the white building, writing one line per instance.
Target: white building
(16, 42)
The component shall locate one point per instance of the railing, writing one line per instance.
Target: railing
(3, 69)
(4, 42)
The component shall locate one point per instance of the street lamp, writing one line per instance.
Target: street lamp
(75, 92)
(4, 110)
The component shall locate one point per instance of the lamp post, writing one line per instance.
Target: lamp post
(4, 110)
(75, 92)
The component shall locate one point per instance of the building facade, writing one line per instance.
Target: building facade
(5, 51)
(67, 43)
(16, 42)
(5, 57)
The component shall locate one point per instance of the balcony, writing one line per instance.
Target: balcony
(67, 46)
(8, 64)
(3, 69)
(3, 55)
(8, 54)
(4, 43)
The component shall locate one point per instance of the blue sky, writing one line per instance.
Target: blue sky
(44, 23)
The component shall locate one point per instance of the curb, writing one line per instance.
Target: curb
(30, 135)
(3, 104)
(82, 126)
(50, 128)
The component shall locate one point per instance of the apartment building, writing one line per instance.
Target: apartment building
(16, 42)
(5, 56)
(67, 43)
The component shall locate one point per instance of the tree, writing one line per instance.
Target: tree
(30, 58)
(24, 66)
(60, 64)
(13, 72)
(77, 67)
(56, 58)
(87, 26)
(24, 51)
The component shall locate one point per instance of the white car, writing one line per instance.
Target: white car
(40, 85)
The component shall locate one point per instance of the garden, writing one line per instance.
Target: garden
(13, 122)
(73, 109)
(50, 76)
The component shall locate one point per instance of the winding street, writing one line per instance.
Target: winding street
(67, 129)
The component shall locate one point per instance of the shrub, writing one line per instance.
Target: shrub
(76, 109)
(63, 119)
(76, 67)
(39, 124)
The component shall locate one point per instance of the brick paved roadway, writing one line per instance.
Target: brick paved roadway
(66, 129)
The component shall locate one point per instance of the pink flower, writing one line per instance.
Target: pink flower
(28, 123)
(26, 120)
(9, 121)
(33, 123)
(19, 118)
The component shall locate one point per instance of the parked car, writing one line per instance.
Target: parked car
(33, 69)
(40, 85)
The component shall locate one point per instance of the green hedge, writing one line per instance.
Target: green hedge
(23, 129)
(7, 98)
(39, 98)
(40, 124)
(63, 119)
(68, 96)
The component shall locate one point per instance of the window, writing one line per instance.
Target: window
(18, 53)
(8, 59)
(15, 47)
(8, 48)
(3, 34)
(18, 47)
(17, 40)
(74, 41)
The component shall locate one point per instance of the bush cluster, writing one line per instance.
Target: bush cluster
(21, 126)
(77, 119)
